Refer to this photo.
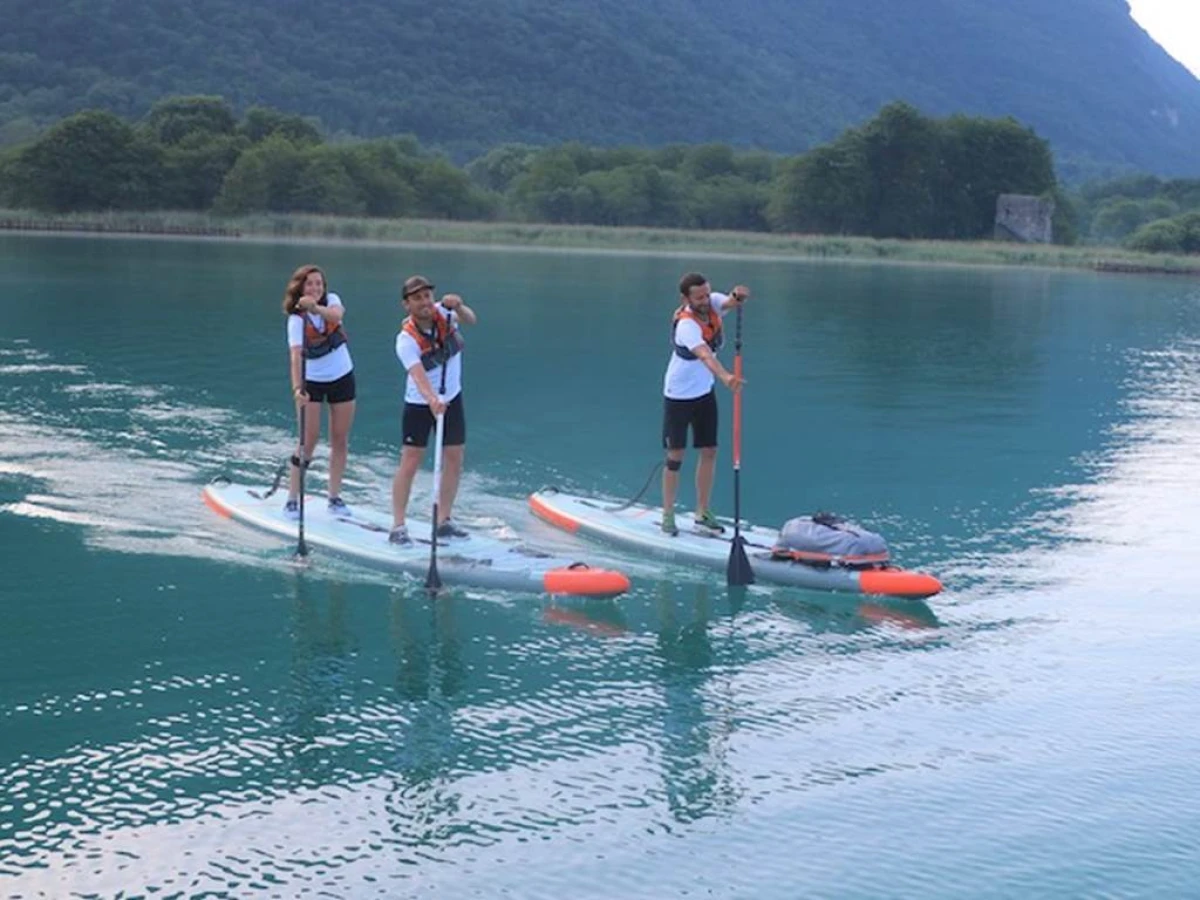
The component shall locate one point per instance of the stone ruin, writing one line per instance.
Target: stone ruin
(1023, 218)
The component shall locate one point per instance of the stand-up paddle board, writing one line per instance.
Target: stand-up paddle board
(639, 528)
(483, 560)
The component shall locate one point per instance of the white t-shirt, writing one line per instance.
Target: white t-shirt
(408, 351)
(332, 365)
(687, 379)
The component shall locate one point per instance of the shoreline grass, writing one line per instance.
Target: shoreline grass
(595, 238)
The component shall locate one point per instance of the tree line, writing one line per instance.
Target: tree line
(899, 175)
(1143, 212)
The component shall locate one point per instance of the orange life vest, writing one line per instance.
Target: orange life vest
(320, 341)
(438, 346)
(711, 331)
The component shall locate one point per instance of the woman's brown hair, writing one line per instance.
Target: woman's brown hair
(295, 287)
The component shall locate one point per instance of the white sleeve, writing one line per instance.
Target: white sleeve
(334, 300)
(295, 331)
(688, 334)
(407, 351)
(720, 302)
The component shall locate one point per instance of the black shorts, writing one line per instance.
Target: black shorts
(340, 391)
(700, 414)
(418, 422)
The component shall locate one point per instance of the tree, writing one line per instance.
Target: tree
(324, 186)
(384, 172)
(261, 123)
(1065, 221)
(444, 192)
(1178, 235)
(263, 179)
(544, 192)
(499, 167)
(726, 202)
(903, 175)
(827, 190)
(756, 166)
(177, 119)
(89, 161)
(707, 161)
(980, 160)
(901, 152)
(18, 131)
(195, 168)
(9, 180)
(1119, 218)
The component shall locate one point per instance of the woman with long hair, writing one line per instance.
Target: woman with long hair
(321, 371)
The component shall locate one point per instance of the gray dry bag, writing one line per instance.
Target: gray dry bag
(825, 539)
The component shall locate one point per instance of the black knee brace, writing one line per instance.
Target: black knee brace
(674, 465)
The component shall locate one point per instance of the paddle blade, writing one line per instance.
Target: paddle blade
(738, 572)
(433, 581)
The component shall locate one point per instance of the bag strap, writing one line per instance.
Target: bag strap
(832, 520)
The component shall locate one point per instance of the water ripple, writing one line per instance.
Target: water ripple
(178, 726)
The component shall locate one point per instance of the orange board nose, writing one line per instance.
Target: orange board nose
(581, 581)
(896, 583)
(553, 516)
(211, 503)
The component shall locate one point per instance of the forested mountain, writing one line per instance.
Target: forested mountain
(467, 75)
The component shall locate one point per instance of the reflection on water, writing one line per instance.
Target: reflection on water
(849, 614)
(698, 714)
(427, 646)
(597, 616)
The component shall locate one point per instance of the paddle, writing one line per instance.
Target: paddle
(738, 571)
(301, 546)
(433, 581)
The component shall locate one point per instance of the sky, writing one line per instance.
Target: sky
(1175, 25)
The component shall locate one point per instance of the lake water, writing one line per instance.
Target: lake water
(185, 713)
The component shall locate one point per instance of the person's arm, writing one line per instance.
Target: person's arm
(689, 333)
(726, 303)
(723, 375)
(409, 355)
(417, 373)
(462, 312)
(333, 312)
(296, 369)
(296, 360)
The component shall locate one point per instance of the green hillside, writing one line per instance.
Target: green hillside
(466, 75)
